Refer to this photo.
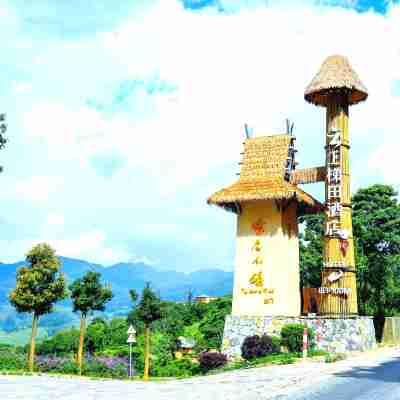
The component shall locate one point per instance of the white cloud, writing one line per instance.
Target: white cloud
(55, 220)
(250, 67)
(91, 246)
(22, 87)
(38, 188)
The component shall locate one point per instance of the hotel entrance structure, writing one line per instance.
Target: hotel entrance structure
(267, 202)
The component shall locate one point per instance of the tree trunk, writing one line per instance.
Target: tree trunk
(146, 353)
(81, 340)
(32, 347)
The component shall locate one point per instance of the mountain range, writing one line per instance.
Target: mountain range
(171, 285)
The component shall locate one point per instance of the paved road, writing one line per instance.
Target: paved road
(373, 382)
(369, 376)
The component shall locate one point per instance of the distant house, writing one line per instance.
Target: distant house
(185, 346)
(204, 298)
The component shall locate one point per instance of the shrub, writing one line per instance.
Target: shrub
(12, 361)
(276, 344)
(61, 344)
(292, 337)
(330, 358)
(212, 360)
(108, 367)
(256, 346)
(112, 351)
(177, 368)
(61, 365)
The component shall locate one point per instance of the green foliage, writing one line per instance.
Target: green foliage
(11, 361)
(40, 284)
(280, 359)
(62, 343)
(96, 336)
(3, 129)
(160, 354)
(276, 344)
(102, 337)
(193, 332)
(182, 368)
(212, 324)
(149, 308)
(88, 294)
(376, 221)
(53, 364)
(115, 351)
(331, 358)
(212, 360)
(106, 367)
(311, 250)
(292, 337)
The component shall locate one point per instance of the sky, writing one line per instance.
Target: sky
(123, 120)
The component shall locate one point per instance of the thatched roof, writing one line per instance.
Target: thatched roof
(262, 176)
(335, 77)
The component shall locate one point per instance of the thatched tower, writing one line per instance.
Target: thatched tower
(336, 86)
(267, 205)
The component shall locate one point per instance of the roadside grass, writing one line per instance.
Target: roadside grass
(271, 359)
(331, 358)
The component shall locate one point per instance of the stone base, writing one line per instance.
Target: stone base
(335, 335)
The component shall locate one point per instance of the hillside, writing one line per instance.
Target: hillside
(171, 285)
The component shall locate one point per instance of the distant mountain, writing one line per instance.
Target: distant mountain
(171, 285)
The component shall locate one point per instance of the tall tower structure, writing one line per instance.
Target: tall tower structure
(336, 87)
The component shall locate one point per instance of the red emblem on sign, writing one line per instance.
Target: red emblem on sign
(258, 227)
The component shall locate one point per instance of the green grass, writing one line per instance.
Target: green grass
(21, 337)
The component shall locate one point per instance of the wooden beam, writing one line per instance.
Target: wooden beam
(308, 175)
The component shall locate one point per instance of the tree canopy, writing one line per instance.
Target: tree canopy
(376, 221)
(88, 294)
(149, 308)
(40, 284)
(3, 129)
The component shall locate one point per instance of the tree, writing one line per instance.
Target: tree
(311, 250)
(88, 295)
(61, 344)
(3, 129)
(376, 221)
(97, 335)
(148, 310)
(39, 285)
(213, 322)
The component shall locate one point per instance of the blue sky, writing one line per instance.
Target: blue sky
(123, 120)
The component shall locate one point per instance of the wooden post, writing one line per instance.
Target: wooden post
(81, 340)
(32, 346)
(338, 248)
(146, 353)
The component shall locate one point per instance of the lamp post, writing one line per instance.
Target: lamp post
(131, 339)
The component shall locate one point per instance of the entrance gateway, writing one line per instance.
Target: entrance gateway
(267, 201)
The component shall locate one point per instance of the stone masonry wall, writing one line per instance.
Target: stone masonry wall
(335, 335)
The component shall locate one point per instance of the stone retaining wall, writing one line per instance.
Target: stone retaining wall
(335, 335)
